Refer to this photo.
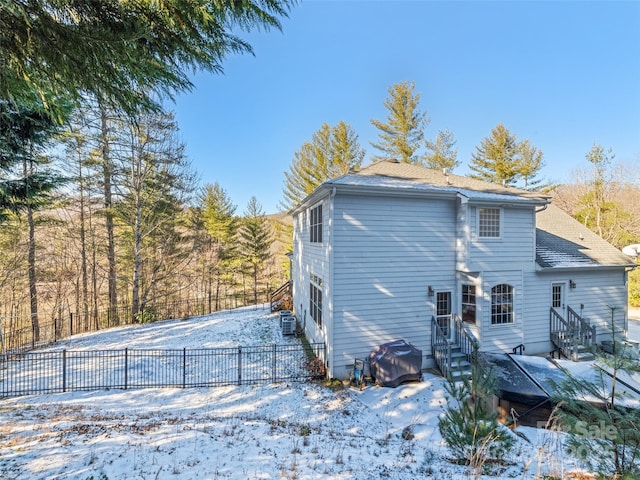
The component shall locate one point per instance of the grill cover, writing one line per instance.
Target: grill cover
(395, 362)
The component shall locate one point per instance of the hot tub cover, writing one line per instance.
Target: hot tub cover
(395, 362)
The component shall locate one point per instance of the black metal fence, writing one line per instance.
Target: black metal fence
(18, 334)
(68, 371)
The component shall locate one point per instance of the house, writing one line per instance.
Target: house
(447, 262)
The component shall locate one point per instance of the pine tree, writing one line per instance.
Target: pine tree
(402, 134)
(127, 53)
(469, 425)
(501, 159)
(332, 151)
(154, 182)
(25, 185)
(255, 240)
(604, 433)
(221, 224)
(441, 153)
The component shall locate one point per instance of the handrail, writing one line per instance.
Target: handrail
(585, 332)
(568, 334)
(278, 294)
(441, 347)
(464, 338)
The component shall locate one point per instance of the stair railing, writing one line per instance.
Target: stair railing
(568, 334)
(464, 338)
(277, 296)
(584, 332)
(441, 347)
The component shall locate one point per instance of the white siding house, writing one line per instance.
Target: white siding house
(394, 249)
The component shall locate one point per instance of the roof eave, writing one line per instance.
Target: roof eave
(581, 267)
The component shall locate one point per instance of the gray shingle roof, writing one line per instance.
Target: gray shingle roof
(562, 241)
(437, 178)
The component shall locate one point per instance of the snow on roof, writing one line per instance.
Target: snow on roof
(563, 242)
(396, 175)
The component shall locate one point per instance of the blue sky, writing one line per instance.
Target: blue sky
(564, 75)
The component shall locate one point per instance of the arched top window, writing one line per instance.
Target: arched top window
(501, 304)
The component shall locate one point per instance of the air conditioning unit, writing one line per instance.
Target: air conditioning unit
(288, 325)
(284, 314)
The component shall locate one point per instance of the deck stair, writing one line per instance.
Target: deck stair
(281, 298)
(453, 355)
(573, 337)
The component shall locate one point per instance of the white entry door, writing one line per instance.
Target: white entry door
(557, 296)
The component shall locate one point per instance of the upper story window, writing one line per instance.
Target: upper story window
(489, 222)
(315, 224)
(501, 304)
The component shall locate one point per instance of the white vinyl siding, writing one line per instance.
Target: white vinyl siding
(514, 249)
(311, 259)
(501, 337)
(594, 292)
(387, 251)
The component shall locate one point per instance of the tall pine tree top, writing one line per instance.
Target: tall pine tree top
(501, 159)
(332, 151)
(402, 134)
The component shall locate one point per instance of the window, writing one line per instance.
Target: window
(469, 303)
(501, 304)
(315, 299)
(315, 224)
(489, 222)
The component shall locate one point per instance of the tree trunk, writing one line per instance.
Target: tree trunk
(137, 262)
(31, 261)
(84, 302)
(108, 207)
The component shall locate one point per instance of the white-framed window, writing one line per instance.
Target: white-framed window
(315, 299)
(469, 303)
(315, 224)
(488, 222)
(501, 304)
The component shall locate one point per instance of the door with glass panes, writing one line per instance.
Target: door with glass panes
(557, 296)
(443, 312)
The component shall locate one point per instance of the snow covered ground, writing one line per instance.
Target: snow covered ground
(298, 430)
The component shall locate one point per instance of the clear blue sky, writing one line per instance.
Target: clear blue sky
(562, 74)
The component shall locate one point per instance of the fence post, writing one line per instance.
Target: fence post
(240, 365)
(184, 367)
(64, 370)
(126, 369)
(275, 364)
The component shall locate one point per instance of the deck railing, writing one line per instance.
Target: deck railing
(278, 298)
(441, 347)
(464, 338)
(569, 334)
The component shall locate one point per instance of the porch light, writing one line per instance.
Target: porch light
(572, 284)
(430, 291)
